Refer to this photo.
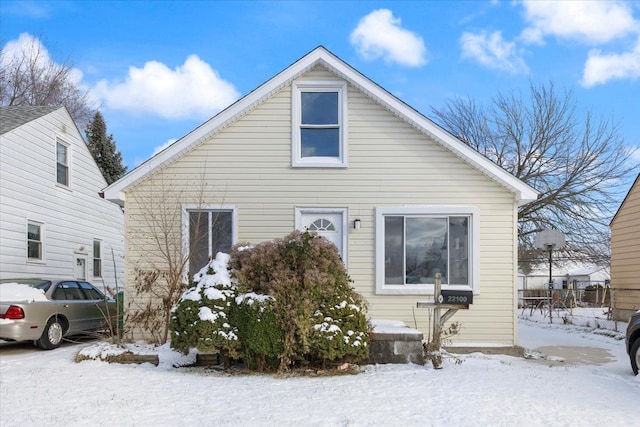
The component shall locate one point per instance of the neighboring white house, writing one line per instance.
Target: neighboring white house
(580, 275)
(321, 147)
(53, 221)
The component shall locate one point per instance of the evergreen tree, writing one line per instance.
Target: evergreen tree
(103, 149)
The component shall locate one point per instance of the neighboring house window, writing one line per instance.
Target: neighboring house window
(415, 243)
(62, 163)
(97, 258)
(210, 231)
(319, 124)
(35, 237)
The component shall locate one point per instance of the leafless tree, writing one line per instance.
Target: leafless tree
(28, 76)
(578, 163)
(160, 250)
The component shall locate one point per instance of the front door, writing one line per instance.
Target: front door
(328, 223)
(81, 268)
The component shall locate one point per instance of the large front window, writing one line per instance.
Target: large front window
(319, 137)
(210, 232)
(416, 243)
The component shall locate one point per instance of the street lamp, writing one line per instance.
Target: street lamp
(549, 240)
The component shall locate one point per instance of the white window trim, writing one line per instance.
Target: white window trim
(186, 208)
(427, 289)
(42, 258)
(296, 111)
(345, 222)
(66, 144)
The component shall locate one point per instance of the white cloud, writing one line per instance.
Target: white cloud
(29, 9)
(163, 146)
(600, 68)
(192, 90)
(25, 42)
(492, 51)
(380, 35)
(591, 22)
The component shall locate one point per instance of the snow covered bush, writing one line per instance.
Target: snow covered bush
(280, 304)
(201, 318)
(340, 331)
(260, 334)
(321, 316)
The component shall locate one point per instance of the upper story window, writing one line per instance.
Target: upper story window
(62, 163)
(415, 243)
(35, 237)
(319, 136)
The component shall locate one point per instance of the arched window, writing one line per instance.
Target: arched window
(321, 224)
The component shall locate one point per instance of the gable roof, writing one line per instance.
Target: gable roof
(320, 56)
(12, 117)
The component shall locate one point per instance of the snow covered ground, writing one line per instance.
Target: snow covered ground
(39, 388)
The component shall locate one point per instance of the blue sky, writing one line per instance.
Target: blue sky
(159, 69)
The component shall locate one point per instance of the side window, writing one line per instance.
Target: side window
(62, 163)
(319, 137)
(91, 292)
(35, 239)
(97, 258)
(68, 291)
(210, 232)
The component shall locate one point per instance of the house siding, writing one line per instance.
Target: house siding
(248, 165)
(73, 217)
(625, 255)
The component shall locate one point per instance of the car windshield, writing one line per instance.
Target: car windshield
(34, 283)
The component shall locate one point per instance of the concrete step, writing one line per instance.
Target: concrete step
(392, 341)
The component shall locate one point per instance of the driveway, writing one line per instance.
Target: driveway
(26, 348)
(550, 344)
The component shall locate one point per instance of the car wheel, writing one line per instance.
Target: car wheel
(635, 355)
(52, 335)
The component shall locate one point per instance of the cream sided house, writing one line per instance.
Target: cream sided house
(53, 222)
(625, 255)
(321, 147)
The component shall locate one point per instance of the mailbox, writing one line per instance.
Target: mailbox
(455, 297)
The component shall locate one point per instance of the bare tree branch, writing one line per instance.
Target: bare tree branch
(28, 76)
(578, 163)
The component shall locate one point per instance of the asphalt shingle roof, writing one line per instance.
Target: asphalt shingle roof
(15, 116)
